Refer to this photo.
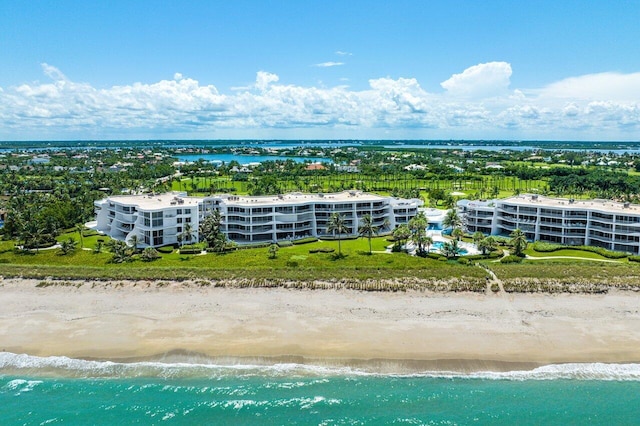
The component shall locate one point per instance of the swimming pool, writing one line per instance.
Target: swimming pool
(438, 245)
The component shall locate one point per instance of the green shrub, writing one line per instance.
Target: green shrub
(634, 258)
(442, 259)
(190, 251)
(285, 243)
(149, 254)
(463, 261)
(436, 256)
(511, 259)
(253, 245)
(165, 249)
(496, 254)
(322, 250)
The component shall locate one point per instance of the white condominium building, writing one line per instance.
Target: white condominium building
(602, 223)
(164, 219)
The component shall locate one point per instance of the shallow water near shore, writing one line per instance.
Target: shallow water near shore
(43, 390)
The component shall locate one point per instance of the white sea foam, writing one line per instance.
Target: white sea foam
(17, 364)
(20, 386)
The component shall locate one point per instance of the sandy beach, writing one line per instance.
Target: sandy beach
(459, 331)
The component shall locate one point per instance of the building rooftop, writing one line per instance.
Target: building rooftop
(604, 205)
(298, 197)
(159, 201)
(156, 201)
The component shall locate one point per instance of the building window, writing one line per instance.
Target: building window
(156, 219)
(158, 240)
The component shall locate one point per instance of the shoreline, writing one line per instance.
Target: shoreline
(384, 331)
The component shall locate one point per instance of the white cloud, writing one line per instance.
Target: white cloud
(477, 103)
(343, 53)
(53, 72)
(603, 86)
(264, 79)
(482, 80)
(328, 64)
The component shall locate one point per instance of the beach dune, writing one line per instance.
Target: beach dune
(460, 331)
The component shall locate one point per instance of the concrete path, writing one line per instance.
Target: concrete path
(571, 257)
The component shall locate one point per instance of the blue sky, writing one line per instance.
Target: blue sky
(320, 69)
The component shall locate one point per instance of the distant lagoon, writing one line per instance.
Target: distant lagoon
(245, 159)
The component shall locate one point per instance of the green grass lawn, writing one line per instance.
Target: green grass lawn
(566, 252)
(293, 262)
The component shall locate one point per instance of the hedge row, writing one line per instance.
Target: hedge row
(190, 251)
(305, 240)
(322, 250)
(511, 259)
(543, 247)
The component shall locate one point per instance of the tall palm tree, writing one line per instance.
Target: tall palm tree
(188, 233)
(457, 233)
(428, 242)
(367, 228)
(418, 226)
(401, 234)
(518, 241)
(487, 245)
(337, 223)
(452, 219)
(477, 237)
(80, 228)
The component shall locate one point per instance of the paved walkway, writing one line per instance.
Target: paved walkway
(571, 257)
(494, 279)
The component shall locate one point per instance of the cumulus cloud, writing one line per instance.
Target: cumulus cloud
(328, 64)
(264, 79)
(602, 86)
(476, 103)
(482, 80)
(343, 53)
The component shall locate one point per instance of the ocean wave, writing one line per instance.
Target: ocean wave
(61, 366)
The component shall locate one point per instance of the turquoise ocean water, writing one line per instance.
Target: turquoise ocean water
(60, 390)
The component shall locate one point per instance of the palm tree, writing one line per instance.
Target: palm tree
(67, 246)
(452, 219)
(451, 249)
(518, 241)
(133, 241)
(428, 242)
(188, 233)
(80, 228)
(457, 234)
(486, 245)
(367, 228)
(477, 237)
(418, 226)
(401, 234)
(337, 223)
